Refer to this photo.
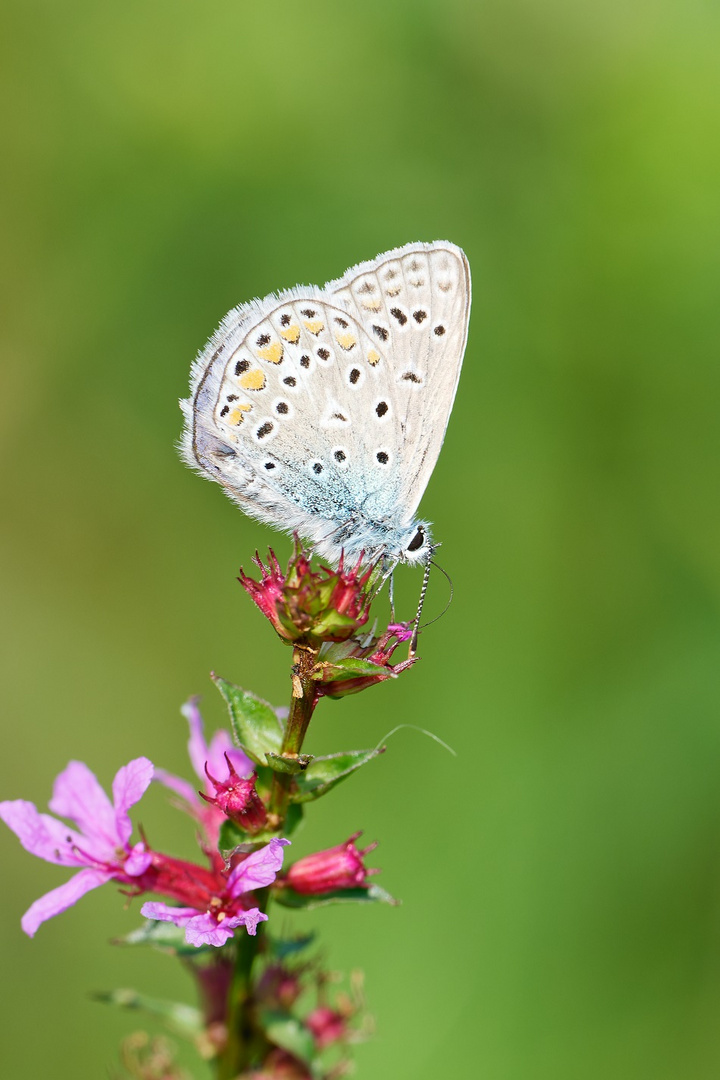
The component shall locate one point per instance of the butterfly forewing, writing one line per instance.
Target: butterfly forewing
(417, 301)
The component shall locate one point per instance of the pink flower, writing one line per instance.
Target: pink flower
(102, 843)
(227, 910)
(335, 868)
(218, 757)
(237, 799)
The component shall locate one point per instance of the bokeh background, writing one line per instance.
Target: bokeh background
(162, 161)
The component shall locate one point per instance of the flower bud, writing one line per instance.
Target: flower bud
(339, 867)
(238, 799)
(327, 1026)
(309, 605)
(279, 987)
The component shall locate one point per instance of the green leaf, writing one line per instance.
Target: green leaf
(323, 773)
(293, 818)
(233, 838)
(368, 894)
(281, 948)
(286, 1031)
(254, 722)
(165, 937)
(183, 1019)
(292, 765)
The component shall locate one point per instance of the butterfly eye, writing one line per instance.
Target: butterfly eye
(417, 541)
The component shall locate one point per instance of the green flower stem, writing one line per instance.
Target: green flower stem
(245, 1039)
(302, 704)
(246, 1043)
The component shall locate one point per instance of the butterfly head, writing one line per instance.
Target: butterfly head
(416, 545)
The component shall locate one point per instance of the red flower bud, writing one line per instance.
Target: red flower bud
(311, 605)
(327, 1026)
(339, 867)
(238, 799)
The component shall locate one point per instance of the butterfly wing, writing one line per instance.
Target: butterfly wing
(275, 418)
(415, 303)
(323, 410)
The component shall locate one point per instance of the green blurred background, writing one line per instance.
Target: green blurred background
(165, 161)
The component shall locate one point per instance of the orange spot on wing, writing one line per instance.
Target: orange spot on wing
(236, 417)
(272, 353)
(373, 358)
(314, 325)
(292, 334)
(346, 341)
(254, 379)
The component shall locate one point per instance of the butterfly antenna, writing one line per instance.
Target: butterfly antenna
(423, 590)
(418, 627)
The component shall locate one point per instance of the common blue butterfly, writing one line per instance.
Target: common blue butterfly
(322, 411)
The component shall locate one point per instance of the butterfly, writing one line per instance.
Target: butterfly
(322, 411)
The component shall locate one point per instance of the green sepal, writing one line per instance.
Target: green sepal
(364, 894)
(233, 839)
(286, 1031)
(254, 722)
(165, 937)
(323, 773)
(281, 948)
(351, 667)
(292, 765)
(183, 1019)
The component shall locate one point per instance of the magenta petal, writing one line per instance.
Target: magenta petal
(258, 870)
(41, 834)
(130, 784)
(197, 747)
(250, 919)
(167, 913)
(205, 930)
(138, 861)
(62, 898)
(220, 745)
(181, 787)
(77, 795)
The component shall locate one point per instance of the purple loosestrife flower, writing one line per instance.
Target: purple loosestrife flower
(237, 799)
(218, 757)
(101, 844)
(311, 606)
(335, 868)
(215, 923)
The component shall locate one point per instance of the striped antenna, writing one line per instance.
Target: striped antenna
(416, 631)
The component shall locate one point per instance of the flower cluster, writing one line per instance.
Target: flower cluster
(215, 901)
(251, 790)
(308, 605)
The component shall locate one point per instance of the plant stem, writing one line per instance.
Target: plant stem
(302, 704)
(244, 1037)
(243, 1033)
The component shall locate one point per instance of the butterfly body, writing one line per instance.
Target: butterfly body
(322, 411)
